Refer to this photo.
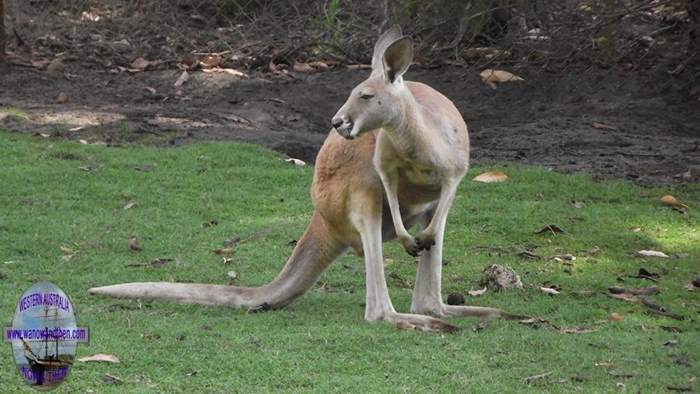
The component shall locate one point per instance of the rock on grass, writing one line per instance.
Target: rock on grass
(498, 277)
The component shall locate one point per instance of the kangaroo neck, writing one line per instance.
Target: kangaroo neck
(405, 132)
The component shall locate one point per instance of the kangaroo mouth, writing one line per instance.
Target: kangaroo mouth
(345, 131)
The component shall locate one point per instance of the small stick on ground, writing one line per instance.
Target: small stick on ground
(660, 309)
(651, 290)
(532, 378)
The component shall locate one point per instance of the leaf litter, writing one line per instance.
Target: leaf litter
(491, 177)
(100, 357)
(550, 229)
(159, 262)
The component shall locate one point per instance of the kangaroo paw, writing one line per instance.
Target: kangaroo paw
(425, 241)
(411, 246)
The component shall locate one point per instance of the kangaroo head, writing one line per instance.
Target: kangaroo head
(377, 101)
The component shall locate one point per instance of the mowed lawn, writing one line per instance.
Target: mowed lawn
(63, 219)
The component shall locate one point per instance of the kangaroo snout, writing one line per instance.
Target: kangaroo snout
(337, 122)
(343, 125)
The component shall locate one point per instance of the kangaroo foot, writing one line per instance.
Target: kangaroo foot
(408, 321)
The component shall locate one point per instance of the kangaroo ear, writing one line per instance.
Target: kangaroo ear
(389, 36)
(397, 57)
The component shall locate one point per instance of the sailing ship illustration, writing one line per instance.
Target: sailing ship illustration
(47, 364)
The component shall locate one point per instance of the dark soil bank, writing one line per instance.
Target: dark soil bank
(610, 123)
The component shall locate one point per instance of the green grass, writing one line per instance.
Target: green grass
(55, 193)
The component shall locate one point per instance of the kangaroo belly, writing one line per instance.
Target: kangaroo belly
(417, 191)
(420, 176)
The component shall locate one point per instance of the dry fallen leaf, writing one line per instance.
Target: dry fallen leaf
(319, 65)
(40, 64)
(144, 167)
(159, 262)
(644, 273)
(576, 330)
(68, 257)
(90, 16)
(358, 66)
(139, 64)
(491, 77)
(224, 251)
(477, 292)
(532, 378)
(62, 98)
(326, 288)
(671, 329)
(111, 379)
(134, 244)
(100, 357)
(682, 389)
(229, 71)
(603, 126)
(549, 290)
(651, 290)
(694, 284)
(550, 229)
(564, 257)
(210, 61)
(615, 317)
(68, 253)
(531, 321)
(660, 309)
(400, 280)
(182, 79)
(528, 254)
(671, 342)
(651, 253)
(303, 67)
(189, 63)
(56, 66)
(593, 251)
(150, 335)
(276, 67)
(490, 177)
(296, 162)
(402, 325)
(625, 297)
(672, 201)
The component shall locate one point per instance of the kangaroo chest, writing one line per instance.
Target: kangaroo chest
(420, 176)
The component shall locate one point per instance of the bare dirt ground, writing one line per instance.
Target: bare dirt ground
(607, 122)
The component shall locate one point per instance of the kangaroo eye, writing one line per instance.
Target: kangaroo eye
(366, 96)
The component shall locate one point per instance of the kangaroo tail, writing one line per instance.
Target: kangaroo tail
(314, 252)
